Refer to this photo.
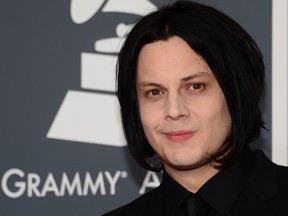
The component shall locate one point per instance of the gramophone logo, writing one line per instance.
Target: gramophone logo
(93, 117)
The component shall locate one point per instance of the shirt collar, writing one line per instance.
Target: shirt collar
(231, 180)
(222, 190)
(174, 194)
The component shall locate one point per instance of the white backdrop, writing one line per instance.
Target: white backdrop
(279, 81)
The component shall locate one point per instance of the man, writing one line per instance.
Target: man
(189, 84)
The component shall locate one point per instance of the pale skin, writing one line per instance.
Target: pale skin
(183, 110)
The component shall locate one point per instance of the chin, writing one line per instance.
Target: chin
(182, 163)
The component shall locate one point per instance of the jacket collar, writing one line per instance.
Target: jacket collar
(253, 170)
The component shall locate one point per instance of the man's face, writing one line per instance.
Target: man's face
(183, 110)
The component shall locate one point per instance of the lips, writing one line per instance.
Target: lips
(179, 136)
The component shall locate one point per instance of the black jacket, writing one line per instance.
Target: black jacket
(252, 186)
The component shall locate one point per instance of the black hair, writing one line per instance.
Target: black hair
(232, 55)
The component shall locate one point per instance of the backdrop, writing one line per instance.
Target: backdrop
(62, 147)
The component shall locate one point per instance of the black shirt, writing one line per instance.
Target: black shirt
(252, 186)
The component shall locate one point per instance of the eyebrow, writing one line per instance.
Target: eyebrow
(193, 76)
(144, 84)
(184, 79)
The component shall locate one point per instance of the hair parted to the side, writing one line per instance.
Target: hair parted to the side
(231, 54)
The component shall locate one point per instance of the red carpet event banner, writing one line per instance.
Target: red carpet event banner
(63, 151)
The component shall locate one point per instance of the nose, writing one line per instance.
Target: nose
(176, 108)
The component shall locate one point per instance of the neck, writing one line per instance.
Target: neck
(192, 179)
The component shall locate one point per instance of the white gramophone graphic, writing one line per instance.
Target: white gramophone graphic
(92, 117)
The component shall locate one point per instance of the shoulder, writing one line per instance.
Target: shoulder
(146, 204)
(282, 179)
(266, 169)
(269, 181)
(279, 202)
(263, 172)
(282, 172)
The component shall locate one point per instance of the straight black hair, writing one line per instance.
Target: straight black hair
(232, 55)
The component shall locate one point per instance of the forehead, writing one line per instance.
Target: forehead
(172, 58)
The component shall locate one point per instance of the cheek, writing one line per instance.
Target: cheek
(221, 123)
(215, 119)
(224, 115)
(151, 118)
(150, 113)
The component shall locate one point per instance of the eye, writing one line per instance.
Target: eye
(153, 92)
(196, 86)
